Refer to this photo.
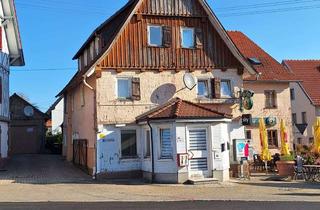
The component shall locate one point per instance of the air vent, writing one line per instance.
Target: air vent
(254, 61)
(318, 68)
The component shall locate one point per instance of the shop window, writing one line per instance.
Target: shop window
(128, 144)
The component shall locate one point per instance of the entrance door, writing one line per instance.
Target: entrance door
(198, 153)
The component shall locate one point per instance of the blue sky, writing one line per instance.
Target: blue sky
(53, 30)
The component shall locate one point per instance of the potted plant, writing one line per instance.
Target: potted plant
(286, 165)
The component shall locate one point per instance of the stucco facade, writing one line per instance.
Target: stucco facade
(281, 111)
(302, 104)
(157, 88)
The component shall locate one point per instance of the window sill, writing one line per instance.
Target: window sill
(129, 159)
(273, 147)
(155, 46)
(147, 158)
(124, 99)
(271, 107)
(165, 159)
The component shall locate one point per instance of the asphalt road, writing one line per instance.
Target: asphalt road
(191, 205)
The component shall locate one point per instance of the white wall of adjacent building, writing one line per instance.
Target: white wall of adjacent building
(57, 117)
(301, 103)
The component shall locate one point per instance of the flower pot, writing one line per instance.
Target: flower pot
(285, 168)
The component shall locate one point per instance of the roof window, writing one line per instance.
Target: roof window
(254, 61)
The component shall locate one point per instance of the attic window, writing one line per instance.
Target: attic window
(254, 61)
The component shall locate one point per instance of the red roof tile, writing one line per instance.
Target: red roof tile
(270, 69)
(309, 72)
(181, 109)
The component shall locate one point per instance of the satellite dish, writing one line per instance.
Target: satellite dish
(189, 81)
(28, 111)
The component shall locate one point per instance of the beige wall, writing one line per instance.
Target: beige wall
(303, 104)
(283, 111)
(156, 88)
(80, 120)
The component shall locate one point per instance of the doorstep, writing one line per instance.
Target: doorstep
(202, 181)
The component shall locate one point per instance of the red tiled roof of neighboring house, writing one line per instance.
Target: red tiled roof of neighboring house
(270, 69)
(308, 71)
(181, 109)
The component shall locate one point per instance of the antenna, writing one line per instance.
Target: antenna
(189, 81)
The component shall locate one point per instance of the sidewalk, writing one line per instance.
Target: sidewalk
(253, 190)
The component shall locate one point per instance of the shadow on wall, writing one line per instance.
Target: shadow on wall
(163, 93)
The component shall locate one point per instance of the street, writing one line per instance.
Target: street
(185, 205)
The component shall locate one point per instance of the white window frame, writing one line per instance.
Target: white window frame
(129, 79)
(194, 37)
(231, 88)
(171, 140)
(161, 35)
(209, 87)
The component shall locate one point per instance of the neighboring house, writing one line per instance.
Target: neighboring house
(55, 113)
(10, 55)
(128, 102)
(305, 98)
(27, 127)
(272, 94)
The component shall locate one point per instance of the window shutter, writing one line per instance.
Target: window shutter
(136, 95)
(199, 38)
(0, 38)
(167, 36)
(216, 87)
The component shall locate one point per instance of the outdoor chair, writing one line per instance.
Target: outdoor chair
(258, 164)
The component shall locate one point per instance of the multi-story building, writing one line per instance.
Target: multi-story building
(128, 111)
(10, 55)
(271, 94)
(305, 98)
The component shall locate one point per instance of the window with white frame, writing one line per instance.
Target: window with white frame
(155, 35)
(226, 91)
(203, 88)
(124, 88)
(187, 38)
(165, 144)
(128, 144)
(147, 144)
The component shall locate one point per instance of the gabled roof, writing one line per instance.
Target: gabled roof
(116, 23)
(15, 95)
(181, 109)
(112, 26)
(53, 106)
(270, 69)
(309, 72)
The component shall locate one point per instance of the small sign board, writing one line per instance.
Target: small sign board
(246, 119)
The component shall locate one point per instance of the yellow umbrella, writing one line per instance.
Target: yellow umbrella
(316, 129)
(265, 155)
(284, 139)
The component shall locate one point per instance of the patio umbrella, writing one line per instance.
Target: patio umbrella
(316, 128)
(265, 153)
(284, 139)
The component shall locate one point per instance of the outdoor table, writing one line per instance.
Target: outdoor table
(311, 172)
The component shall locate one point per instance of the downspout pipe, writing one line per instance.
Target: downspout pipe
(94, 176)
(152, 152)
